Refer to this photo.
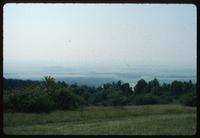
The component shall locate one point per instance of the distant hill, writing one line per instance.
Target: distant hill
(17, 83)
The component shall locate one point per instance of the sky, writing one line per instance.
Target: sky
(99, 35)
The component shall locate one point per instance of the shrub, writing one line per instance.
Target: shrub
(189, 99)
(28, 100)
(66, 99)
(164, 99)
(145, 99)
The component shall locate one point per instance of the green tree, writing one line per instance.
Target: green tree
(49, 85)
(126, 89)
(176, 88)
(153, 86)
(140, 87)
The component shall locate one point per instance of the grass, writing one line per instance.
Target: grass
(126, 120)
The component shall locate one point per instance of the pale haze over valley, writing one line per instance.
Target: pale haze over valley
(100, 38)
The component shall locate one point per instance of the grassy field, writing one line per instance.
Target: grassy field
(126, 120)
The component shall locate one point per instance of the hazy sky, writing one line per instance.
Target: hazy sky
(99, 35)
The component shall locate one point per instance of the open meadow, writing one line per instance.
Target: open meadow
(169, 119)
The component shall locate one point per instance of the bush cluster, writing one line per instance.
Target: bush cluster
(28, 100)
(51, 95)
(42, 99)
(189, 99)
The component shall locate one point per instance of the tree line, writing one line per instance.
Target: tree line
(48, 95)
